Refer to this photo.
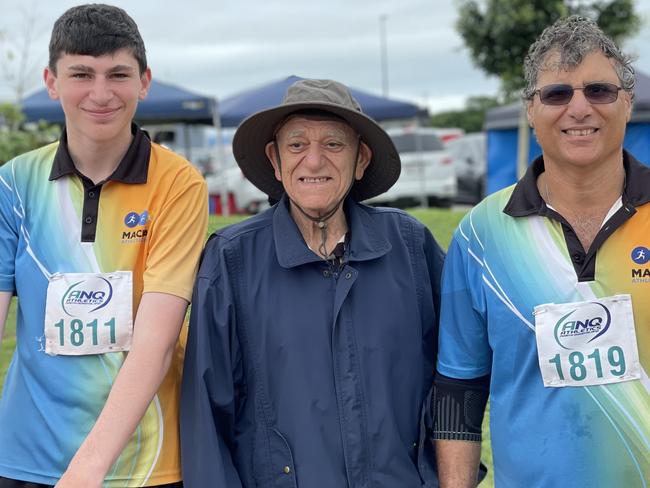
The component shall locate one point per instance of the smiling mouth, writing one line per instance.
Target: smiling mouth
(580, 132)
(101, 112)
(319, 179)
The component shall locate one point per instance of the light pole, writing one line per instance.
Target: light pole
(384, 54)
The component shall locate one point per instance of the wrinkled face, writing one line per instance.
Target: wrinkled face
(580, 133)
(316, 164)
(99, 95)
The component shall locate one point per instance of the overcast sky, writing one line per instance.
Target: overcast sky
(219, 48)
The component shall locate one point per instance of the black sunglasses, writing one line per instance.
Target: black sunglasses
(562, 94)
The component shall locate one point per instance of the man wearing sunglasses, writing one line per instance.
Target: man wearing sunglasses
(545, 290)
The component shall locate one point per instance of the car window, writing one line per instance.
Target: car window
(405, 143)
(430, 142)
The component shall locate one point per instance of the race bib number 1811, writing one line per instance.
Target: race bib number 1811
(89, 313)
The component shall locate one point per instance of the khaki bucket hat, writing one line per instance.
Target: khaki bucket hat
(259, 129)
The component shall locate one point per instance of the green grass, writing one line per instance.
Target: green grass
(8, 343)
(441, 223)
(216, 223)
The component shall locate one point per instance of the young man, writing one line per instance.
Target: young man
(100, 235)
(544, 300)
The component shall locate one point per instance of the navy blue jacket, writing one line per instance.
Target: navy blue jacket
(301, 375)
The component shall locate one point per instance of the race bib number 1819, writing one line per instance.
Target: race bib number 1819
(587, 343)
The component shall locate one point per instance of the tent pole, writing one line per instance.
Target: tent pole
(523, 143)
(188, 145)
(220, 157)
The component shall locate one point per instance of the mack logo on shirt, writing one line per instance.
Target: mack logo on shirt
(87, 296)
(640, 255)
(132, 220)
(134, 235)
(582, 325)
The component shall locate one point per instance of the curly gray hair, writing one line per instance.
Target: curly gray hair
(574, 38)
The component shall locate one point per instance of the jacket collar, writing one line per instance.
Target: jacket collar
(133, 168)
(526, 200)
(364, 242)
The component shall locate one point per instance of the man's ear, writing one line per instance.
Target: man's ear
(50, 83)
(365, 156)
(627, 99)
(270, 152)
(145, 84)
(529, 113)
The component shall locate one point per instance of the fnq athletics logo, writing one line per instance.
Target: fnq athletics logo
(582, 325)
(87, 296)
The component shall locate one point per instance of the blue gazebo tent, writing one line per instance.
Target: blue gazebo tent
(501, 124)
(236, 108)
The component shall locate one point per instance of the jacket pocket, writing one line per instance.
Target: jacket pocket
(275, 469)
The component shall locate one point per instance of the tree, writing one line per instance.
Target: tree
(18, 64)
(498, 36)
(14, 140)
(470, 119)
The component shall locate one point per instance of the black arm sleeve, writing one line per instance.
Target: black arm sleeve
(458, 407)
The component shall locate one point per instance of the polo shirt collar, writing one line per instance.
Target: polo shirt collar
(526, 200)
(133, 168)
(364, 241)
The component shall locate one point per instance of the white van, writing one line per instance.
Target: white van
(233, 189)
(470, 155)
(428, 176)
(195, 142)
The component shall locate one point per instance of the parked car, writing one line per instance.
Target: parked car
(427, 175)
(194, 142)
(235, 191)
(470, 156)
(447, 134)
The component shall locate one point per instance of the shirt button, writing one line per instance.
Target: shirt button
(91, 194)
(286, 470)
(326, 273)
(578, 258)
(88, 220)
(348, 275)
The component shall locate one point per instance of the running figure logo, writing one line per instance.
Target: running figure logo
(133, 219)
(640, 255)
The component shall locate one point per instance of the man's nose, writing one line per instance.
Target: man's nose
(314, 156)
(579, 107)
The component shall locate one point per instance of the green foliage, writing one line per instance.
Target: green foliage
(15, 140)
(8, 343)
(470, 119)
(498, 36)
(616, 18)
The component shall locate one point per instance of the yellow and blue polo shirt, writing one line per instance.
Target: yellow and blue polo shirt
(148, 217)
(511, 253)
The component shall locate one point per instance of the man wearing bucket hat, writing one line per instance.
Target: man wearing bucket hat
(313, 330)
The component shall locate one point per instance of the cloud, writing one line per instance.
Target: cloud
(220, 48)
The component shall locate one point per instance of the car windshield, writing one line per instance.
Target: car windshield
(416, 142)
